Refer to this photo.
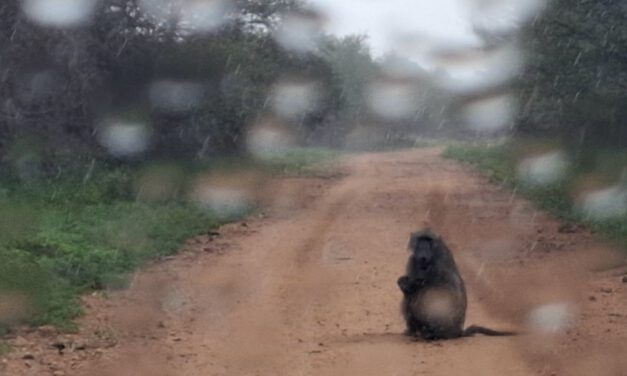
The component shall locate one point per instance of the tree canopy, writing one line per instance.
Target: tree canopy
(576, 77)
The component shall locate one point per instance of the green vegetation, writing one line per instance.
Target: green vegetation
(62, 236)
(304, 162)
(574, 83)
(5, 348)
(499, 163)
(492, 160)
(88, 227)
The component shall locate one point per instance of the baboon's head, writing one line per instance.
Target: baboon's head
(425, 248)
(423, 253)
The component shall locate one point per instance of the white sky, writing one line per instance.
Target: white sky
(386, 21)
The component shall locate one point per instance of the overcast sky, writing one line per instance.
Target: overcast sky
(385, 21)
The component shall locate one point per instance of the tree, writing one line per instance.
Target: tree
(574, 86)
(194, 88)
(354, 68)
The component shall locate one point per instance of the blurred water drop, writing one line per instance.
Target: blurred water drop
(124, 138)
(161, 10)
(552, 318)
(392, 99)
(226, 196)
(224, 201)
(604, 203)
(477, 70)
(176, 96)
(59, 13)
(438, 305)
(499, 249)
(293, 99)
(403, 67)
(363, 137)
(545, 169)
(490, 114)
(14, 306)
(41, 85)
(174, 301)
(504, 16)
(203, 15)
(430, 52)
(299, 31)
(268, 139)
(18, 221)
(159, 183)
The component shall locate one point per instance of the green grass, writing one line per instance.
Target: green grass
(303, 162)
(5, 348)
(61, 237)
(499, 163)
(491, 160)
(89, 226)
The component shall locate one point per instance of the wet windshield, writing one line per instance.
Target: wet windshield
(244, 187)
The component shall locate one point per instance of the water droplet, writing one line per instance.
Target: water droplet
(203, 15)
(124, 138)
(392, 99)
(225, 196)
(477, 70)
(545, 169)
(401, 67)
(268, 139)
(299, 31)
(293, 99)
(439, 305)
(490, 114)
(552, 318)
(15, 306)
(175, 96)
(159, 182)
(160, 10)
(504, 16)
(41, 85)
(59, 13)
(605, 203)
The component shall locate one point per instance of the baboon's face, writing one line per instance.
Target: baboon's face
(423, 255)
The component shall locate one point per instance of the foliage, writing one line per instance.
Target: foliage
(488, 159)
(5, 348)
(61, 87)
(354, 69)
(88, 227)
(499, 164)
(574, 86)
(66, 236)
(304, 162)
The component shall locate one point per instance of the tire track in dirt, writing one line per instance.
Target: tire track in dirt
(311, 288)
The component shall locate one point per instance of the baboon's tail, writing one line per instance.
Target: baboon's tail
(475, 329)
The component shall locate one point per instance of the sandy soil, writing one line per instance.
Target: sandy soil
(309, 288)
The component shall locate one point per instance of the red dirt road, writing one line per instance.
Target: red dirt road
(310, 288)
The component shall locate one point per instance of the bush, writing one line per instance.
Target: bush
(63, 236)
(499, 164)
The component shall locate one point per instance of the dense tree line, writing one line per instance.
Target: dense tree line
(197, 91)
(575, 83)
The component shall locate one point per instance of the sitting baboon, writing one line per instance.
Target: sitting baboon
(434, 295)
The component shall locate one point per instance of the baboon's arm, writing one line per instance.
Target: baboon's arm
(407, 285)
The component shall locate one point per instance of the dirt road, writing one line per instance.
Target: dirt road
(310, 288)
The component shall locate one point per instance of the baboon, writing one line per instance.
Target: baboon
(434, 295)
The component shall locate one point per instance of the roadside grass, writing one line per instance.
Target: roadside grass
(303, 162)
(88, 227)
(5, 348)
(499, 163)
